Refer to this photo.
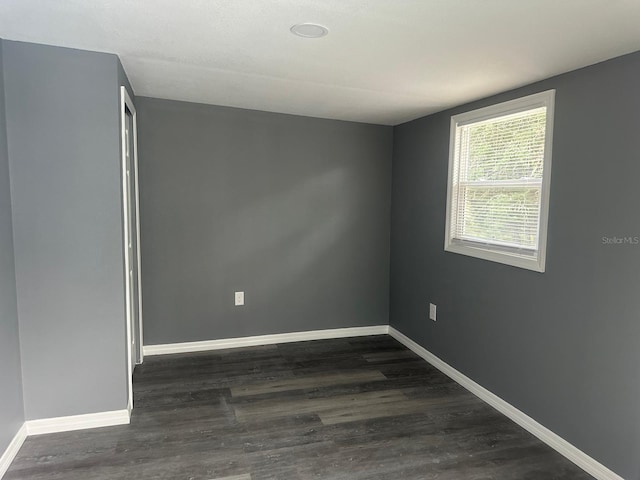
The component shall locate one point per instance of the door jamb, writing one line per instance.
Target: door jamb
(127, 103)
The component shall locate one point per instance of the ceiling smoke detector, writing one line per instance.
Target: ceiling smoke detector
(309, 30)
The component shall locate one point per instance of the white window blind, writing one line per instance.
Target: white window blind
(498, 181)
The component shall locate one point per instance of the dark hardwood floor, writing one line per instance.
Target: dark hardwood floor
(357, 408)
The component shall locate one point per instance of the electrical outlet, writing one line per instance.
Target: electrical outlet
(239, 298)
(432, 312)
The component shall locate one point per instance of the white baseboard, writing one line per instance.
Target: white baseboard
(577, 456)
(59, 424)
(264, 340)
(12, 450)
(77, 422)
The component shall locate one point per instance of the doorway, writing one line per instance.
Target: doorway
(131, 230)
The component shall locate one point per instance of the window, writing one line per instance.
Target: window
(499, 175)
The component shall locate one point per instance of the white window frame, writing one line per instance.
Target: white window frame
(494, 252)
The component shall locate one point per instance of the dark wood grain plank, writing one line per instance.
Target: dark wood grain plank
(351, 408)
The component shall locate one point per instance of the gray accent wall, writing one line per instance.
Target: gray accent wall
(11, 406)
(562, 346)
(64, 145)
(294, 211)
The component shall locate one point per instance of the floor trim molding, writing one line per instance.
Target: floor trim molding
(60, 424)
(264, 340)
(577, 456)
(12, 450)
(77, 422)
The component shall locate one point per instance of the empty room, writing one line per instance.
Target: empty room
(302, 239)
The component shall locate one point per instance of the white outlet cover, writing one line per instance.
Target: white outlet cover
(239, 298)
(432, 312)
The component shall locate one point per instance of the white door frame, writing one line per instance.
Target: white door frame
(127, 103)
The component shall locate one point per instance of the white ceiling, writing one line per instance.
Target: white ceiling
(384, 61)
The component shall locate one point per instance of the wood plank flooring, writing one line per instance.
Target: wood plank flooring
(358, 408)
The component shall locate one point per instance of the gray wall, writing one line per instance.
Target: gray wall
(292, 210)
(11, 407)
(563, 346)
(62, 111)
